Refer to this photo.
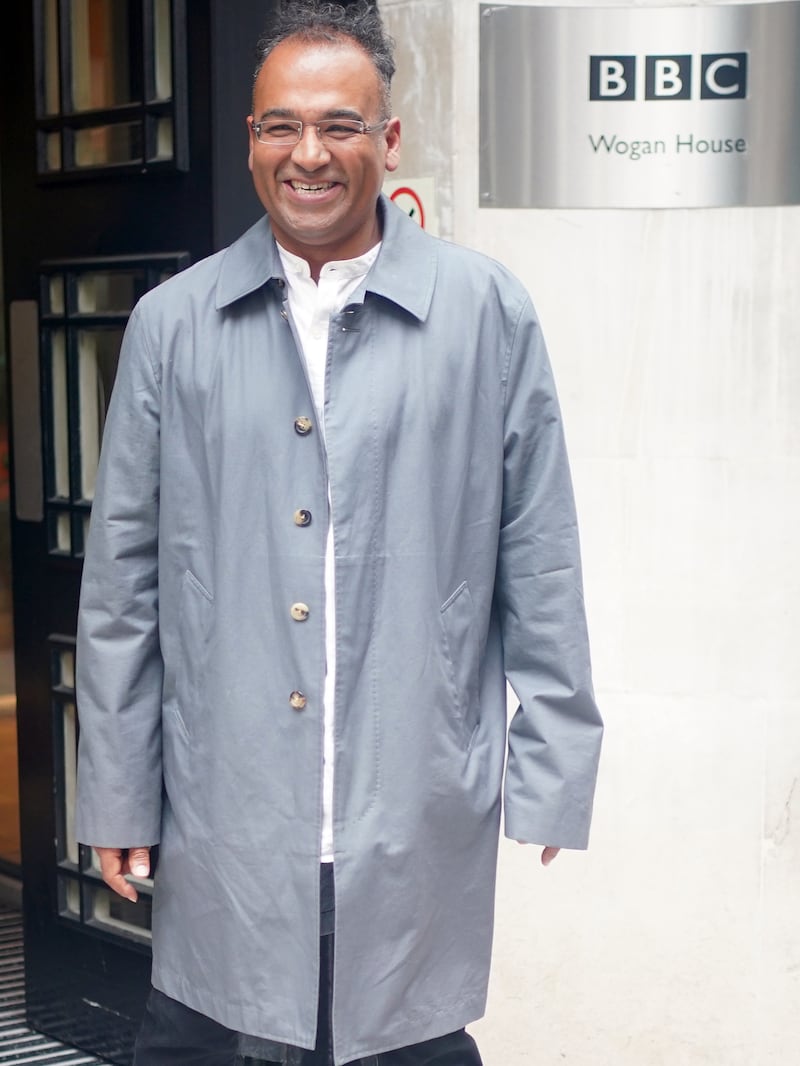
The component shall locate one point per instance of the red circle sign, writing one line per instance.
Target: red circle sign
(417, 206)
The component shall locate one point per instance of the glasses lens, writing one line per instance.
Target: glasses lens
(339, 129)
(279, 132)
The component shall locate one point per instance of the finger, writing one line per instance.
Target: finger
(548, 855)
(111, 866)
(139, 861)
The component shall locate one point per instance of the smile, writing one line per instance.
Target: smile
(302, 186)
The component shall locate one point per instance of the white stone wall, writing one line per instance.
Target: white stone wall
(675, 337)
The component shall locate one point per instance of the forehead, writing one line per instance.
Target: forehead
(314, 75)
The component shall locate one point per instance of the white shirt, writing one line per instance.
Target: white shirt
(312, 305)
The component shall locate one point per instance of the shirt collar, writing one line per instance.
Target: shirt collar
(345, 269)
(404, 272)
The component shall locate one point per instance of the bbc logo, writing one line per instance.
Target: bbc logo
(723, 76)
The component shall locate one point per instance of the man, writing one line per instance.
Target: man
(333, 515)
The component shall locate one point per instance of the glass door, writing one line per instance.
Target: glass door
(110, 182)
(98, 205)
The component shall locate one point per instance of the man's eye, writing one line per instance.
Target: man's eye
(339, 130)
(279, 129)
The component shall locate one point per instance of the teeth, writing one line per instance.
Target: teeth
(302, 187)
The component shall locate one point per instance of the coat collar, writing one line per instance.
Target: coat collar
(404, 272)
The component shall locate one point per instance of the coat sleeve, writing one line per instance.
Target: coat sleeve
(554, 737)
(118, 658)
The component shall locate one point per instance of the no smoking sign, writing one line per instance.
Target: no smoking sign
(416, 198)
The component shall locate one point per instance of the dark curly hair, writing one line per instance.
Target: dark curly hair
(319, 20)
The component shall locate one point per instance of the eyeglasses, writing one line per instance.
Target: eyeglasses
(287, 132)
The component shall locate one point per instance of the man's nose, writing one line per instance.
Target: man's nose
(310, 152)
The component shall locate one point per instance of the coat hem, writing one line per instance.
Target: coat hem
(439, 1022)
(186, 994)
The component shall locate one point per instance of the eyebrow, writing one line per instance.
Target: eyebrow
(336, 112)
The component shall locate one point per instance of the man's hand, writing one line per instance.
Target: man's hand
(548, 854)
(116, 862)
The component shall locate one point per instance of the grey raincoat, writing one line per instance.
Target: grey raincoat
(457, 566)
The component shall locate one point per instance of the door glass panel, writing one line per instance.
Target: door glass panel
(52, 151)
(60, 414)
(106, 291)
(55, 295)
(93, 299)
(121, 66)
(52, 96)
(162, 49)
(107, 145)
(63, 533)
(65, 670)
(164, 147)
(69, 847)
(69, 897)
(110, 911)
(101, 75)
(98, 350)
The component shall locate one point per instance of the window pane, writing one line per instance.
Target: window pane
(162, 49)
(104, 292)
(63, 534)
(98, 351)
(52, 151)
(101, 75)
(69, 897)
(69, 845)
(164, 147)
(65, 670)
(60, 423)
(52, 102)
(103, 145)
(110, 911)
(56, 295)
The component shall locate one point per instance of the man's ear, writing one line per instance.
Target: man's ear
(392, 135)
(251, 141)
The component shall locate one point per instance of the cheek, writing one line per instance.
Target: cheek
(260, 176)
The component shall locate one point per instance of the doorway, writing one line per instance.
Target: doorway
(10, 858)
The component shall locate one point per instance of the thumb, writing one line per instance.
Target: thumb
(139, 861)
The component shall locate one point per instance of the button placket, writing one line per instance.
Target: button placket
(302, 517)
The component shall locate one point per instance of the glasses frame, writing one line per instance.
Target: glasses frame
(302, 126)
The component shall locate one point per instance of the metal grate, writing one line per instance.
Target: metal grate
(19, 1044)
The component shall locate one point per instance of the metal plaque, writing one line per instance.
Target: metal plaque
(640, 107)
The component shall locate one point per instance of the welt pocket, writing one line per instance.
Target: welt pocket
(459, 631)
(451, 599)
(195, 622)
(197, 585)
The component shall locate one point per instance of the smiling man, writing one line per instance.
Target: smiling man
(320, 192)
(333, 517)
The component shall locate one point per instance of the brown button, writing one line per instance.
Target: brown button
(302, 425)
(297, 701)
(302, 518)
(300, 612)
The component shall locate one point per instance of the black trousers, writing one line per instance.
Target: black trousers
(174, 1035)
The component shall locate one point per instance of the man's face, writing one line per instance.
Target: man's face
(321, 199)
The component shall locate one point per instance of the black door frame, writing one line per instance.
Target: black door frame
(84, 985)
